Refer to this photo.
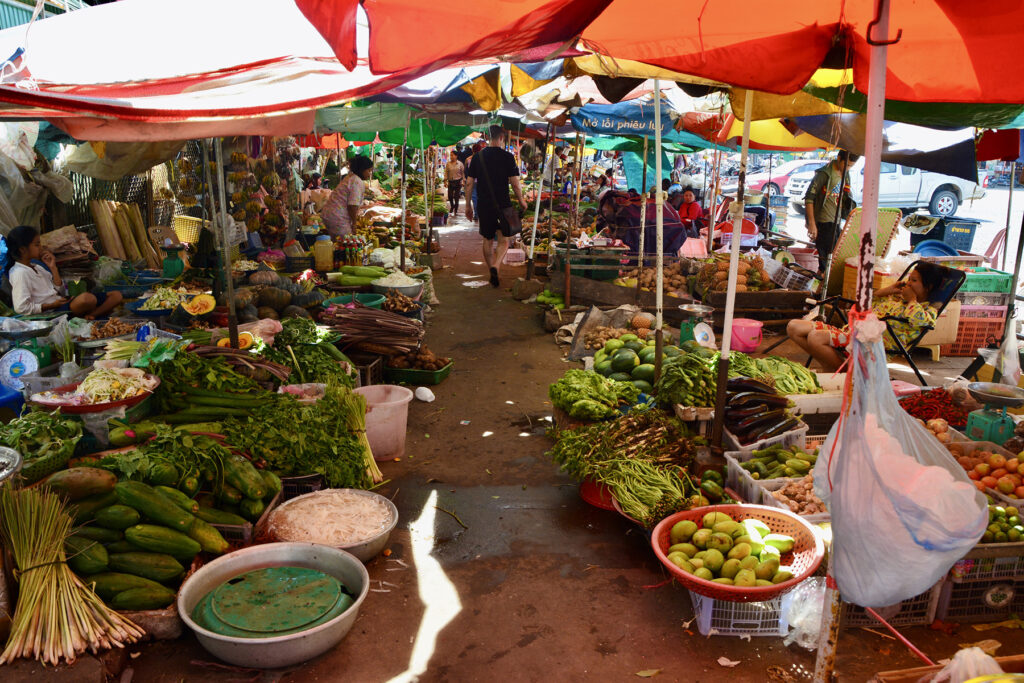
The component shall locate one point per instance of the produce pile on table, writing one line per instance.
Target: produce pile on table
(990, 470)
(302, 346)
(674, 279)
(935, 403)
(754, 411)
(781, 373)
(396, 302)
(588, 396)
(725, 551)
(424, 359)
(751, 275)
(799, 497)
(642, 457)
(1004, 525)
(114, 327)
(776, 462)
(688, 379)
(166, 298)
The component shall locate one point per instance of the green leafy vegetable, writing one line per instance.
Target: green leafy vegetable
(588, 395)
(688, 380)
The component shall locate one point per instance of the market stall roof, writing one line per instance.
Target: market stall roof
(946, 51)
(255, 67)
(950, 152)
(768, 135)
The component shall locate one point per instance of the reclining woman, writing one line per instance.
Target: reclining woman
(910, 299)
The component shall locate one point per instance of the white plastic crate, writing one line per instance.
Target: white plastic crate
(740, 481)
(514, 257)
(794, 437)
(725, 618)
(916, 611)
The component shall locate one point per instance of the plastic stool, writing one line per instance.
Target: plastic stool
(12, 400)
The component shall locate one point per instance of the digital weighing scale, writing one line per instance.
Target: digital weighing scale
(697, 327)
(991, 423)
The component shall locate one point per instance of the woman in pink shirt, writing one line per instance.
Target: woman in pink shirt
(342, 207)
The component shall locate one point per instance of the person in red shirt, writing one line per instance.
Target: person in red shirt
(691, 213)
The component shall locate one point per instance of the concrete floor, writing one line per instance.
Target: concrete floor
(498, 570)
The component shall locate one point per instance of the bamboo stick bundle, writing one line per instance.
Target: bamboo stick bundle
(125, 231)
(141, 237)
(106, 230)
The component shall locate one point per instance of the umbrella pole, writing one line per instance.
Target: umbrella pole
(405, 142)
(714, 200)
(734, 262)
(1009, 208)
(824, 666)
(659, 231)
(768, 189)
(643, 223)
(579, 175)
(536, 204)
(226, 258)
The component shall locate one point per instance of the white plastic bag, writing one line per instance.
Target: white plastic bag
(968, 664)
(903, 511)
(806, 603)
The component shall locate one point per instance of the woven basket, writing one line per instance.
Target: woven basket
(803, 560)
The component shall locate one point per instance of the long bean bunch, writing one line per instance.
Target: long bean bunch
(57, 615)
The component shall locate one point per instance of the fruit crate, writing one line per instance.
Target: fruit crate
(726, 618)
(973, 334)
(987, 280)
(794, 437)
(980, 601)
(370, 367)
(984, 298)
(243, 534)
(740, 481)
(916, 611)
(293, 487)
(990, 562)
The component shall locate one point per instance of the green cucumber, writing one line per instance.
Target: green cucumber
(118, 517)
(177, 497)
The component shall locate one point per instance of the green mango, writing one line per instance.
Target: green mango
(714, 560)
(676, 558)
(766, 569)
(726, 528)
(720, 541)
(701, 538)
(769, 552)
(697, 564)
(687, 549)
(745, 577)
(739, 551)
(713, 518)
(723, 581)
(782, 575)
(756, 527)
(682, 531)
(683, 564)
(762, 582)
(730, 568)
(749, 562)
(704, 573)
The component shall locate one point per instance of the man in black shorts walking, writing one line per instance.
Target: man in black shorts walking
(495, 169)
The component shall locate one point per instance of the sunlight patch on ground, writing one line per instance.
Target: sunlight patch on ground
(439, 596)
(486, 434)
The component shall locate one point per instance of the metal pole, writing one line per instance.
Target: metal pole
(579, 176)
(714, 200)
(226, 260)
(405, 142)
(536, 205)
(1008, 330)
(768, 190)
(659, 213)
(1009, 208)
(643, 221)
(824, 666)
(734, 261)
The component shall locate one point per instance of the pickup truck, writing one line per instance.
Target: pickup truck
(901, 187)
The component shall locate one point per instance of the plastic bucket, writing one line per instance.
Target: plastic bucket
(387, 411)
(746, 334)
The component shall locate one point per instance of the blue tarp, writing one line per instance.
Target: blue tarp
(625, 118)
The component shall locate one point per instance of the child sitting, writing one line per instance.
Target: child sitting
(908, 299)
(35, 288)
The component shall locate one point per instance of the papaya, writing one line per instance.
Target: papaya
(200, 304)
(80, 482)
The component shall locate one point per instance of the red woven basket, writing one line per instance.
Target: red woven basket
(803, 560)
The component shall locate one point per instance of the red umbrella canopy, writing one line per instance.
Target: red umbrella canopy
(948, 51)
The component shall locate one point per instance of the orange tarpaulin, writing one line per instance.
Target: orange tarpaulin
(948, 51)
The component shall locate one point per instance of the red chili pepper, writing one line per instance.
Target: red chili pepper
(937, 403)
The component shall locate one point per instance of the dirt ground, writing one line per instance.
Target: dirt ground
(498, 570)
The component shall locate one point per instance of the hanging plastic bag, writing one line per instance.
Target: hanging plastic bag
(806, 603)
(903, 511)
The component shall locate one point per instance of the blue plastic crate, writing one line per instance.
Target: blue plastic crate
(955, 231)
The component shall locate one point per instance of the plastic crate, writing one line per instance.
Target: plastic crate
(370, 367)
(956, 232)
(960, 262)
(984, 299)
(983, 312)
(973, 334)
(794, 281)
(243, 534)
(418, 377)
(987, 280)
(990, 561)
(794, 437)
(725, 618)
(983, 601)
(916, 611)
(293, 487)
